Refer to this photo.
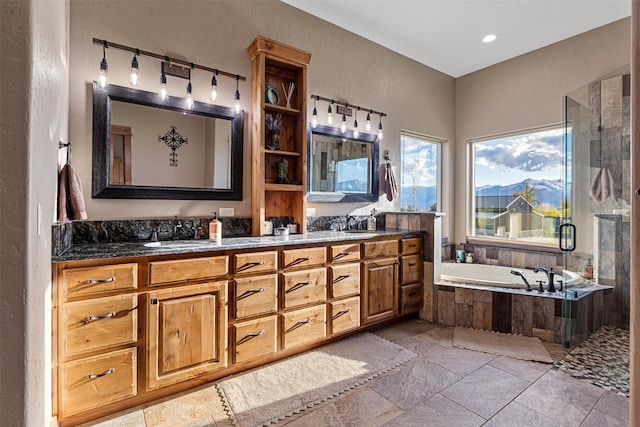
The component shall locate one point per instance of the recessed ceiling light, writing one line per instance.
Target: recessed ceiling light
(489, 38)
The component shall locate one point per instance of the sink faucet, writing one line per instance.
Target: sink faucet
(176, 225)
(519, 273)
(348, 221)
(550, 277)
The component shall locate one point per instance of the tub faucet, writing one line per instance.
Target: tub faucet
(550, 277)
(519, 273)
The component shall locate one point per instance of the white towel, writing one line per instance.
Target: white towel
(70, 196)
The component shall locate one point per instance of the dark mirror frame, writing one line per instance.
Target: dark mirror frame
(101, 188)
(319, 196)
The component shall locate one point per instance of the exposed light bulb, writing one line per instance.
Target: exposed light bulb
(237, 96)
(367, 125)
(343, 126)
(163, 87)
(189, 96)
(214, 87)
(104, 67)
(314, 119)
(133, 76)
(329, 115)
(380, 135)
(356, 132)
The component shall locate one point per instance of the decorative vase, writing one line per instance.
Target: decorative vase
(274, 139)
(282, 166)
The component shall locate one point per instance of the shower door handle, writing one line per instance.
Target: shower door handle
(565, 237)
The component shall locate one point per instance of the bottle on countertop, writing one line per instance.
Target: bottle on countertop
(588, 270)
(371, 222)
(215, 228)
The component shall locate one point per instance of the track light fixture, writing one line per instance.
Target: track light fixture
(133, 76)
(104, 67)
(314, 119)
(237, 95)
(346, 111)
(173, 67)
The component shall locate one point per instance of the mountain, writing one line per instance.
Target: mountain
(550, 192)
(353, 186)
(426, 197)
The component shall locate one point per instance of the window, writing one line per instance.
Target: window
(518, 187)
(420, 174)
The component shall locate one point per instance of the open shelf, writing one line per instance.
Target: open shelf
(274, 186)
(282, 153)
(280, 109)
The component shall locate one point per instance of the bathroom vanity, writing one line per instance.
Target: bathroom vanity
(134, 323)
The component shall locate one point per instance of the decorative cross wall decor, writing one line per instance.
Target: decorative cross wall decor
(173, 140)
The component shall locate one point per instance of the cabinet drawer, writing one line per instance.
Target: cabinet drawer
(255, 338)
(381, 248)
(256, 262)
(99, 323)
(98, 380)
(296, 258)
(411, 269)
(411, 246)
(410, 298)
(345, 253)
(256, 295)
(187, 269)
(345, 280)
(305, 287)
(345, 315)
(79, 282)
(304, 326)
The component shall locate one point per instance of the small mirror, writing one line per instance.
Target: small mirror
(147, 148)
(342, 168)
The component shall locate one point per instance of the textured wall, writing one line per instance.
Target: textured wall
(343, 66)
(34, 39)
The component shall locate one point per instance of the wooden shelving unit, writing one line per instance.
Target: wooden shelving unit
(276, 64)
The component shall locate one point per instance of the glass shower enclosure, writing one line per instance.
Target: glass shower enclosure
(595, 233)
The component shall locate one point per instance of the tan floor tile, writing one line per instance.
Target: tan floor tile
(442, 335)
(131, 418)
(364, 407)
(404, 329)
(525, 369)
(486, 391)
(437, 411)
(323, 416)
(460, 360)
(614, 404)
(419, 345)
(414, 382)
(598, 419)
(191, 409)
(515, 414)
(561, 397)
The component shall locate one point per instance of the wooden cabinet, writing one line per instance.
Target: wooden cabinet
(163, 272)
(345, 280)
(304, 326)
(345, 315)
(304, 287)
(411, 269)
(345, 253)
(303, 258)
(411, 275)
(380, 290)
(278, 190)
(186, 332)
(380, 248)
(255, 338)
(256, 295)
(82, 282)
(256, 262)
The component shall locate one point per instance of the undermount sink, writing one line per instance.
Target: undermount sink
(178, 243)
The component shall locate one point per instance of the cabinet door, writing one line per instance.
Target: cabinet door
(187, 332)
(380, 290)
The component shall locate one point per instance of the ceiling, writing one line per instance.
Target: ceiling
(447, 34)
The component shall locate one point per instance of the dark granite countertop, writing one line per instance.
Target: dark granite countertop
(131, 249)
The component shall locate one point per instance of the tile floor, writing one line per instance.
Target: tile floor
(443, 386)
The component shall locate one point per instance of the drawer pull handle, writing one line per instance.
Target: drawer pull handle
(91, 318)
(103, 374)
(412, 264)
(250, 336)
(250, 292)
(298, 286)
(250, 265)
(413, 294)
(413, 245)
(342, 254)
(299, 324)
(107, 280)
(299, 260)
(342, 277)
(341, 313)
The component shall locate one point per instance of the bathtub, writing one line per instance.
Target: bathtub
(498, 276)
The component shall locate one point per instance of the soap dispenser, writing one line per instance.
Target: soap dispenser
(371, 222)
(215, 228)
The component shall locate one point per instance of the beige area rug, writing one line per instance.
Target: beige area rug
(270, 393)
(516, 346)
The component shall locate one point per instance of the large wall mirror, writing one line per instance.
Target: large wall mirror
(146, 148)
(342, 168)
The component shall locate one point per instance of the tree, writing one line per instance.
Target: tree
(529, 194)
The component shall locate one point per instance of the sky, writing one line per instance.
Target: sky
(505, 161)
(419, 162)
